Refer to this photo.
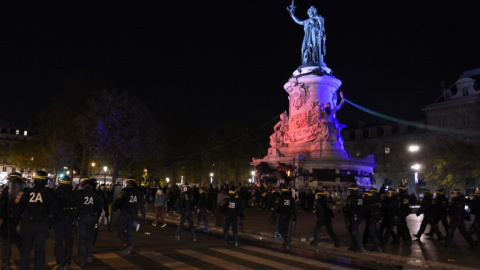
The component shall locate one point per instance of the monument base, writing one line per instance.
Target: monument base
(332, 168)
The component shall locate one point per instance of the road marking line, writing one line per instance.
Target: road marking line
(167, 261)
(294, 258)
(213, 260)
(120, 263)
(256, 259)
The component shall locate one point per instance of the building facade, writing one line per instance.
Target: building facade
(402, 151)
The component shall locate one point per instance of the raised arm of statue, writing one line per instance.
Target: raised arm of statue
(291, 10)
(339, 105)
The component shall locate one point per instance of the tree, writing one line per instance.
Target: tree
(451, 163)
(123, 131)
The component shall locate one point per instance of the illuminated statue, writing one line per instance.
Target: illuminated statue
(279, 136)
(327, 116)
(313, 46)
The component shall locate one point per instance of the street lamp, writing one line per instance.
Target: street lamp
(93, 166)
(414, 148)
(168, 180)
(253, 176)
(211, 177)
(105, 168)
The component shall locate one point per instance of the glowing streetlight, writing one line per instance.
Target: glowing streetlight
(413, 148)
(168, 180)
(416, 166)
(105, 168)
(93, 167)
(211, 177)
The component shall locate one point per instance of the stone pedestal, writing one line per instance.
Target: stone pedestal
(310, 136)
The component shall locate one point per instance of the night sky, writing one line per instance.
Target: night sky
(226, 61)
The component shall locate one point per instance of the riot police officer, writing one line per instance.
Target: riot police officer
(8, 226)
(232, 208)
(355, 210)
(324, 218)
(186, 210)
(456, 211)
(426, 208)
(64, 223)
(403, 211)
(287, 210)
(89, 205)
(391, 205)
(34, 208)
(440, 205)
(475, 210)
(129, 200)
(373, 206)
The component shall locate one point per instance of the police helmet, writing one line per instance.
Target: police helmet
(94, 182)
(14, 176)
(65, 179)
(440, 191)
(402, 189)
(426, 190)
(374, 191)
(86, 181)
(41, 178)
(456, 191)
(353, 188)
(368, 193)
(130, 181)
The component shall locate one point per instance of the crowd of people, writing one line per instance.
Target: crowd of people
(28, 214)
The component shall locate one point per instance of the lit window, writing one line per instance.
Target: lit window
(387, 150)
(25, 133)
(17, 132)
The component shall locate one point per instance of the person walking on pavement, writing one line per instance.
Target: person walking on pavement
(287, 210)
(129, 201)
(355, 210)
(8, 231)
(456, 213)
(186, 209)
(232, 208)
(403, 211)
(324, 214)
(475, 210)
(426, 208)
(34, 208)
(374, 213)
(159, 206)
(440, 204)
(89, 204)
(64, 223)
(391, 204)
(202, 209)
